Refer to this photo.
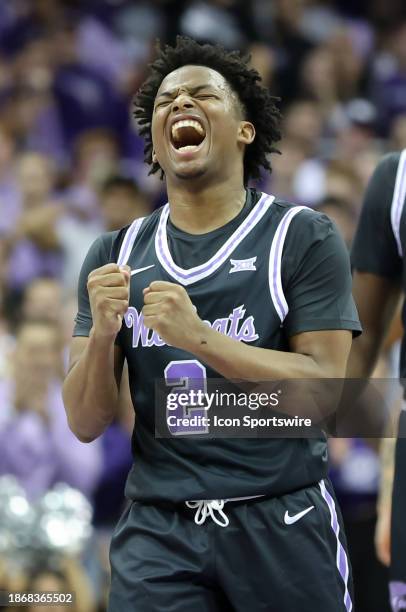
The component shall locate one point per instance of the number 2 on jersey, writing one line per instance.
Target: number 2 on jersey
(184, 376)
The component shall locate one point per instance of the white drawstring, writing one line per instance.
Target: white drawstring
(206, 507)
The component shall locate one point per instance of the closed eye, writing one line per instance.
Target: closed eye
(203, 96)
(197, 96)
(164, 103)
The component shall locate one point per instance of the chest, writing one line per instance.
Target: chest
(233, 298)
(236, 290)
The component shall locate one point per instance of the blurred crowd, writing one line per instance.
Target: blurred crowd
(71, 167)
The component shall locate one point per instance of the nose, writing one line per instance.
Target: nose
(182, 102)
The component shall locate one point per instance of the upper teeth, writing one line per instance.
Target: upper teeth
(187, 123)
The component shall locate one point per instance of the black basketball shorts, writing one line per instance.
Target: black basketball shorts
(280, 554)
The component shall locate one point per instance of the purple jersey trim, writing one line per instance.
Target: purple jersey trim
(128, 241)
(187, 277)
(275, 262)
(397, 595)
(398, 201)
(342, 560)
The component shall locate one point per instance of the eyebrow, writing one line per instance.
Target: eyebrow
(193, 90)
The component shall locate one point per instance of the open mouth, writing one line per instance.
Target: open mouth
(187, 135)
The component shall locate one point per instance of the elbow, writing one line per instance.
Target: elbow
(83, 434)
(80, 430)
(86, 439)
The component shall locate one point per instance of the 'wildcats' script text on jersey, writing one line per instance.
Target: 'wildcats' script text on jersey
(236, 326)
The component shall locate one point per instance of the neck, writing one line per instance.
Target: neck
(201, 210)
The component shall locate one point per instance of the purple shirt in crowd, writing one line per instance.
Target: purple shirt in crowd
(40, 454)
(27, 262)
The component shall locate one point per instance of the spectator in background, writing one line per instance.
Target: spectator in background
(303, 127)
(303, 122)
(355, 127)
(228, 22)
(317, 78)
(42, 301)
(3, 270)
(291, 44)
(33, 181)
(285, 167)
(341, 213)
(96, 156)
(29, 19)
(64, 575)
(30, 105)
(108, 497)
(31, 253)
(33, 119)
(8, 184)
(36, 444)
(365, 163)
(398, 133)
(389, 76)
(6, 343)
(343, 182)
(349, 61)
(121, 202)
(85, 98)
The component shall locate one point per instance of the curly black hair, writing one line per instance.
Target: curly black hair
(257, 104)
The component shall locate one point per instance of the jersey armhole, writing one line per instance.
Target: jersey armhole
(398, 200)
(127, 242)
(275, 262)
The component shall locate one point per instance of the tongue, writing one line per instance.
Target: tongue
(187, 136)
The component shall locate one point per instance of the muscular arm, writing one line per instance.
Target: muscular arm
(91, 388)
(382, 532)
(318, 354)
(388, 466)
(377, 268)
(376, 298)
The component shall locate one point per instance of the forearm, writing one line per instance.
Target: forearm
(364, 354)
(387, 473)
(377, 299)
(90, 391)
(236, 360)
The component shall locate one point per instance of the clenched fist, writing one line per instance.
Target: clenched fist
(109, 291)
(169, 311)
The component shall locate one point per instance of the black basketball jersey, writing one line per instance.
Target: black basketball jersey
(276, 270)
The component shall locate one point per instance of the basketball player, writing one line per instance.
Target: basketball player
(225, 281)
(379, 275)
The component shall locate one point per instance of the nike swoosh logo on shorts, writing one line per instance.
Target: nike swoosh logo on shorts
(289, 520)
(142, 269)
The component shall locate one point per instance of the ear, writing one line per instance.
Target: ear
(154, 157)
(246, 132)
